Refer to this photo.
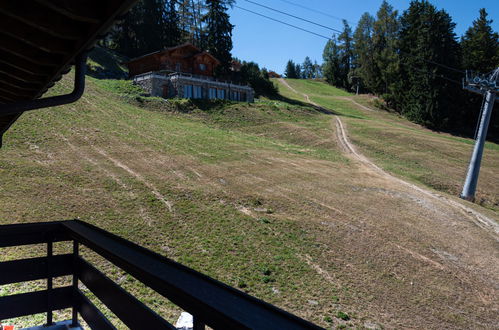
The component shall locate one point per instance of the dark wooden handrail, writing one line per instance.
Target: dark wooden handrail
(211, 302)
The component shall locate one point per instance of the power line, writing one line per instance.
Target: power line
(436, 74)
(315, 11)
(297, 17)
(432, 62)
(322, 36)
(276, 20)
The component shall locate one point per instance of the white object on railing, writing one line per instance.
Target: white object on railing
(185, 322)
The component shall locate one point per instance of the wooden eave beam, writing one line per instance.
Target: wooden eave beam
(18, 83)
(16, 90)
(23, 65)
(10, 91)
(28, 52)
(33, 37)
(42, 18)
(21, 75)
(83, 11)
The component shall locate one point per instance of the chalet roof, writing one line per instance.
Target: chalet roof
(207, 54)
(170, 49)
(39, 41)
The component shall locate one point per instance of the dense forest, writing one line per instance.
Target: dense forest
(415, 63)
(152, 25)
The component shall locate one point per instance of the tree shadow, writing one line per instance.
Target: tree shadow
(302, 104)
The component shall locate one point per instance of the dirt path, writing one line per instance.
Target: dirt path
(484, 222)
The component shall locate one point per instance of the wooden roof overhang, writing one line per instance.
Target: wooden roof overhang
(40, 40)
(215, 60)
(168, 51)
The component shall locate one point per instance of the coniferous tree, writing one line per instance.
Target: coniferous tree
(125, 36)
(363, 64)
(480, 45)
(384, 42)
(299, 73)
(331, 66)
(427, 35)
(308, 68)
(219, 32)
(149, 26)
(317, 70)
(258, 79)
(346, 54)
(171, 30)
(152, 34)
(290, 71)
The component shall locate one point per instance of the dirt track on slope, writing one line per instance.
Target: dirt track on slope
(448, 246)
(478, 218)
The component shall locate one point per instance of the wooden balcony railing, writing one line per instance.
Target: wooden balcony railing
(211, 302)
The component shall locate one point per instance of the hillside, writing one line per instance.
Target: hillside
(265, 198)
(437, 160)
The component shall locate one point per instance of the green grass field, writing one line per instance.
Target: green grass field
(259, 196)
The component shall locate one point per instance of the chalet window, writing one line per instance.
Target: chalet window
(202, 66)
(178, 67)
(212, 93)
(197, 92)
(188, 91)
(220, 94)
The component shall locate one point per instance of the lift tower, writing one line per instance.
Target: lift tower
(488, 86)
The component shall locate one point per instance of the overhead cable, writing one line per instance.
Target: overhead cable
(276, 20)
(315, 10)
(297, 17)
(322, 36)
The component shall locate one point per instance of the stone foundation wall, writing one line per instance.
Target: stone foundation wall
(155, 84)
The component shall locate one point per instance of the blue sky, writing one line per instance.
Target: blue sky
(271, 44)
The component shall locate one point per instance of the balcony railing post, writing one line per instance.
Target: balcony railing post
(74, 319)
(197, 324)
(49, 281)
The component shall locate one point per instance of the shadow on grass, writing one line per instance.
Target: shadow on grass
(303, 104)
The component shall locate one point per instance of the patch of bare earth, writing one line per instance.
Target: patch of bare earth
(417, 258)
(405, 259)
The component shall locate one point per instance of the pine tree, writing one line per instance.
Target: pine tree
(258, 79)
(125, 36)
(317, 70)
(299, 73)
(219, 33)
(308, 68)
(363, 53)
(427, 36)
(331, 66)
(384, 42)
(290, 71)
(171, 32)
(480, 45)
(346, 54)
(149, 26)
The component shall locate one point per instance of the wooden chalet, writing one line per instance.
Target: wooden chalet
(184, 71)
(185, 58)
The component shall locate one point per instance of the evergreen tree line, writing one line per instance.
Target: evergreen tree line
(157, 24)
(152, 25)
(415, 62)
(306, 70)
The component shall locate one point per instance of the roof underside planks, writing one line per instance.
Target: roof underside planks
(39, 40)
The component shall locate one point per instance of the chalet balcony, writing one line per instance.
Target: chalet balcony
(210, 302)
(168, 84)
